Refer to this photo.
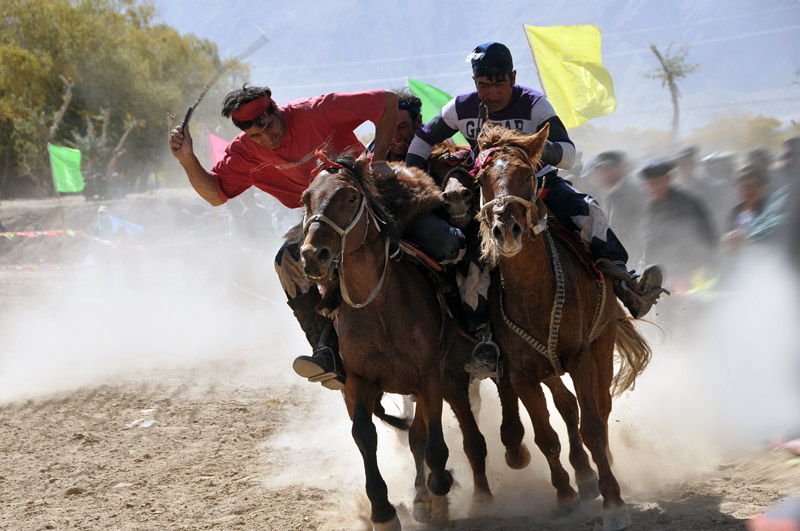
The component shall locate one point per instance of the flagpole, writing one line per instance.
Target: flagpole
(55, 187)
(538, 74)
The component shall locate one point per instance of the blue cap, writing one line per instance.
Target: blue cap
(491, 59)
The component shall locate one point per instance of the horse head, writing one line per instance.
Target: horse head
(506, 174)
(335, 205)
(450, 167)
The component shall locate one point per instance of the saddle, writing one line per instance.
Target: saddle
(574, 243)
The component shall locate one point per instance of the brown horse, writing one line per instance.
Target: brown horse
(450, 166)
(547, 294)
(393, 334)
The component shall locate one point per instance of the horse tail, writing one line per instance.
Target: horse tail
(398, 423)
(633, 353)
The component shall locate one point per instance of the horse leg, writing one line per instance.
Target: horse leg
(440, 479)
(423, 501)
(605, 375)
(595, 435)
(384, 516)
(474, 447)
(567, 406)
(546, 439)
(511, 429)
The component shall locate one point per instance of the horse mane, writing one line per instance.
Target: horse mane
(493, 135)
(396, 202)
(412, 193)
(441, 148)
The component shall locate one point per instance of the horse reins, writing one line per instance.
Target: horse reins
(498, 205)
(343, 232)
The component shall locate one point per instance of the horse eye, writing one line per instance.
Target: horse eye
(352, 199)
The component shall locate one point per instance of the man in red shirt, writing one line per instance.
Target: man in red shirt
(276, 153)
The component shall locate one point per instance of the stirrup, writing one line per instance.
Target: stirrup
(497, 373)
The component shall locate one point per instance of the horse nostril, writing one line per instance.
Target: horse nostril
(497, 233)
(324, 255)
(516, 230)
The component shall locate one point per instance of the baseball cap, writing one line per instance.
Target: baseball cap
(491, 59)
(606, 158)
(657, 167)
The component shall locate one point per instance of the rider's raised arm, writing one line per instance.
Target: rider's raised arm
(201, 180)
(384, 127)
(443, 126)
(559, 151)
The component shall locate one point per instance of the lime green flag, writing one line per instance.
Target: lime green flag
(66, 164)
(571, 71)
(433, 100)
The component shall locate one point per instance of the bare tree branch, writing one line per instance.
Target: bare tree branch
(119, 149)
(60, 114)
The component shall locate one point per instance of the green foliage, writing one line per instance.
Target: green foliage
(673, 65)
(119, 60)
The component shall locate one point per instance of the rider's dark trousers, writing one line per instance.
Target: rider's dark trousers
(437, 238)
(581, 213)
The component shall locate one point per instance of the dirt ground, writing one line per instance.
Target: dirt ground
(150, 387)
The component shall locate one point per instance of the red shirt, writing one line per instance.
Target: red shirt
(324, 122)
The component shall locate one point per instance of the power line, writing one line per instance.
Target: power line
(524, 66)
(517, 48)
(710, 106)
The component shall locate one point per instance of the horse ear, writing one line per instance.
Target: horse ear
(534, 144)
(362, 162)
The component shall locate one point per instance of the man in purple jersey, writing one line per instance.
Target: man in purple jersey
(527, 110)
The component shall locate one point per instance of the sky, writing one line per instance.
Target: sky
(749, 50)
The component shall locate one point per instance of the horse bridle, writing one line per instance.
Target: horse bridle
(338, 260)
(499, 203)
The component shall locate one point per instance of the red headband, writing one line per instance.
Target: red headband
(252, 109)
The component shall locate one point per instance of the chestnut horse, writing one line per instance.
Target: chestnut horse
(546, 293)
(393, 334)
(450, 165)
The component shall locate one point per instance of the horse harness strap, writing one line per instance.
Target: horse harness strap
(549, 350)
(343, 232)
(375, 290)
(499, 203)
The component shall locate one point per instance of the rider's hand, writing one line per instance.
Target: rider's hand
(180, 142)
(382, 168)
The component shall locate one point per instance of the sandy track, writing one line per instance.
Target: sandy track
(156, 394)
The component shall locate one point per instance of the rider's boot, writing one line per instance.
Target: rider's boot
(324, 365)
(485, 359)
(637, 292)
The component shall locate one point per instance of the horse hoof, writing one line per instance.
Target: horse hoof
(616, 518)
(519, 459)
(422, 512)
(568, 507)
(587, 487)
(439, 484)
(391, 525)
(434, 510)
(481, 504)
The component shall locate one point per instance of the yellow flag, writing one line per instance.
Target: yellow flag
(571, 71)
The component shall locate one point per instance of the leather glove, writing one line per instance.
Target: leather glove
(552, 153)
(382, 168)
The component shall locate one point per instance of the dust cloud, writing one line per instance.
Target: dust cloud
(724, 375)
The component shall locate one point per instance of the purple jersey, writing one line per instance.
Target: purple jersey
(527, 113)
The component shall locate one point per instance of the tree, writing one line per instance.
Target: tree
(100, 72)
(673, 68)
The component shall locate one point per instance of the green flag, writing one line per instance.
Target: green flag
(433, 100)
(66, 164)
